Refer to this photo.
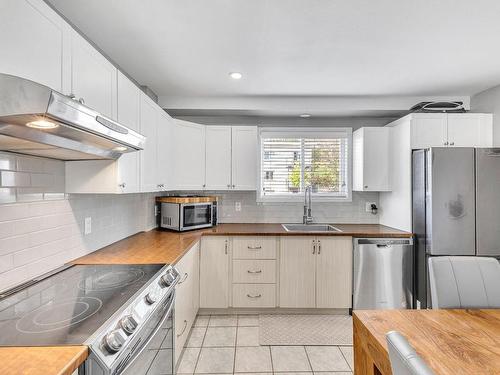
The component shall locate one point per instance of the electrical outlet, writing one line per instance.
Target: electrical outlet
(368, 206)
(87, 226)
(237, 206)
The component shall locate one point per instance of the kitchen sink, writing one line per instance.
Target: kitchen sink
(310, 228)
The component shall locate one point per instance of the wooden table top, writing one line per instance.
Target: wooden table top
(46, 360)
(450, 341)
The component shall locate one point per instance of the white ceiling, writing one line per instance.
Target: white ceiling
(296, 48)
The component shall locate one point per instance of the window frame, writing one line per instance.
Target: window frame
(301, 132)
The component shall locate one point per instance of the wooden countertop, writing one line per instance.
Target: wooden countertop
(450, 341)
(162, 247)
(207, 199)
(47, 360)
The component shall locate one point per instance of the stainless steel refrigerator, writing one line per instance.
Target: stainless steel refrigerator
(456, 207)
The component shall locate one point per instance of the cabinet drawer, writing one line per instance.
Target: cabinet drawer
(254, 271)
(254, 295)
(254, 247)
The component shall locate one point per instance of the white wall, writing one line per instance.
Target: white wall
(488, 101)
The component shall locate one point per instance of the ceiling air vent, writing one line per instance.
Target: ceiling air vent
(432, 107)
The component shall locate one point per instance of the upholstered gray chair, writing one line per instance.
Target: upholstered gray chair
(464, 282)
(404, 359)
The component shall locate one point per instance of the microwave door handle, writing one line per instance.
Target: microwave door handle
(155, 331)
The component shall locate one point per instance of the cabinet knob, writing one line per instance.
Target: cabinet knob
(204, 185)
(228, 185)
(452, 144)
(366, 186)
(122, 185)
(446, 143)
(234, 186)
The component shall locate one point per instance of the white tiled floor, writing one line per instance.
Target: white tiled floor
(228, 344)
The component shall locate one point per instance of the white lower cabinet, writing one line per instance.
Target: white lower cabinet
(214, 272)
(316, 272)
(187, 297)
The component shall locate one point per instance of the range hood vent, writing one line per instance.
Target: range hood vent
(36, 120)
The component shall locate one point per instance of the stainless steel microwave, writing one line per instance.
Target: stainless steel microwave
(187, 216)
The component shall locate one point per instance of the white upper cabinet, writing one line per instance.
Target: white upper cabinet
(218, 158)
(189, 155)
(470, 130)
(451, 130)
(164, 151)
(93, 77)
(35, 43)
(148, 156)
(244, 157)
(371, 166)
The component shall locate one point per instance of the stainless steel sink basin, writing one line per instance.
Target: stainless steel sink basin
(308, 228)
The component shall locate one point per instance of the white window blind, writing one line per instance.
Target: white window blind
(292, 159)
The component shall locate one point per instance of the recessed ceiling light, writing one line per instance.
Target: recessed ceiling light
(305, 115)
(42, 124)
(235, 75)
(120, 148)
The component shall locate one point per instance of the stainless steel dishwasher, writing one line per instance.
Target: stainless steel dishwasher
(383, 273)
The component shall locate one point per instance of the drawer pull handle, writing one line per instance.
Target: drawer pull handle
(184, 328)
(258, 271)
(255, 296)
(254, 247)
(183, 279)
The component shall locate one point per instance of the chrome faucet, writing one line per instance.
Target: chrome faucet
(307, 217)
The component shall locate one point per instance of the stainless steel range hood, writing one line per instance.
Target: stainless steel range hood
(36, 120)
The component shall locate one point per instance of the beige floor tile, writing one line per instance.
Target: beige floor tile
(253, 359)
(220, 336)
(294, 373)
(289, 358)
(188, 361)
(326, 358)
(201, 321)
(248, 320)
(215, 361)
(223, 321)
(196, 337)
(329, 373)
(348, 353)
(248, 336)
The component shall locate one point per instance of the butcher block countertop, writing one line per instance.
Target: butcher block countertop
(161, 247)
(45, 360)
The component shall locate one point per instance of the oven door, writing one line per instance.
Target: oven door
(156, 355)
(195, 215)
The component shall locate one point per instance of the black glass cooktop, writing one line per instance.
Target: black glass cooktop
(68, 307)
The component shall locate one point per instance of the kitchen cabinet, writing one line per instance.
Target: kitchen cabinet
(164, 151)
(371, 170)
(334, 272)
(148, 157)
(315, 272)
(244, 157)
(231, 158)
(93, 77)
(214, 272)
(218, 158)
(189, 155)
(451, 130)
(297, 272)
(187, 302)
(35, 43)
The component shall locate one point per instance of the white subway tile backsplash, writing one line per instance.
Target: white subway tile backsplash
(14, 179)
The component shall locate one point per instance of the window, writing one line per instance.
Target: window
(293, 158)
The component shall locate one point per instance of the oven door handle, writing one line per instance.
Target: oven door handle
(155, 331)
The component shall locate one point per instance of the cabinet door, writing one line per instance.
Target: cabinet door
(214, 272)
(190, 155)
(297, 272)
(218, 158)
(164, 150)
(334, 272)
(429, 130)
(148, 156)
(470, 130)
(244, 157)
(93, 77)
(128, 106)
(36, 48)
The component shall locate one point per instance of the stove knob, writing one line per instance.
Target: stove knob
(128, 324)
(167, 279)
(113, 341)
(151, 297)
